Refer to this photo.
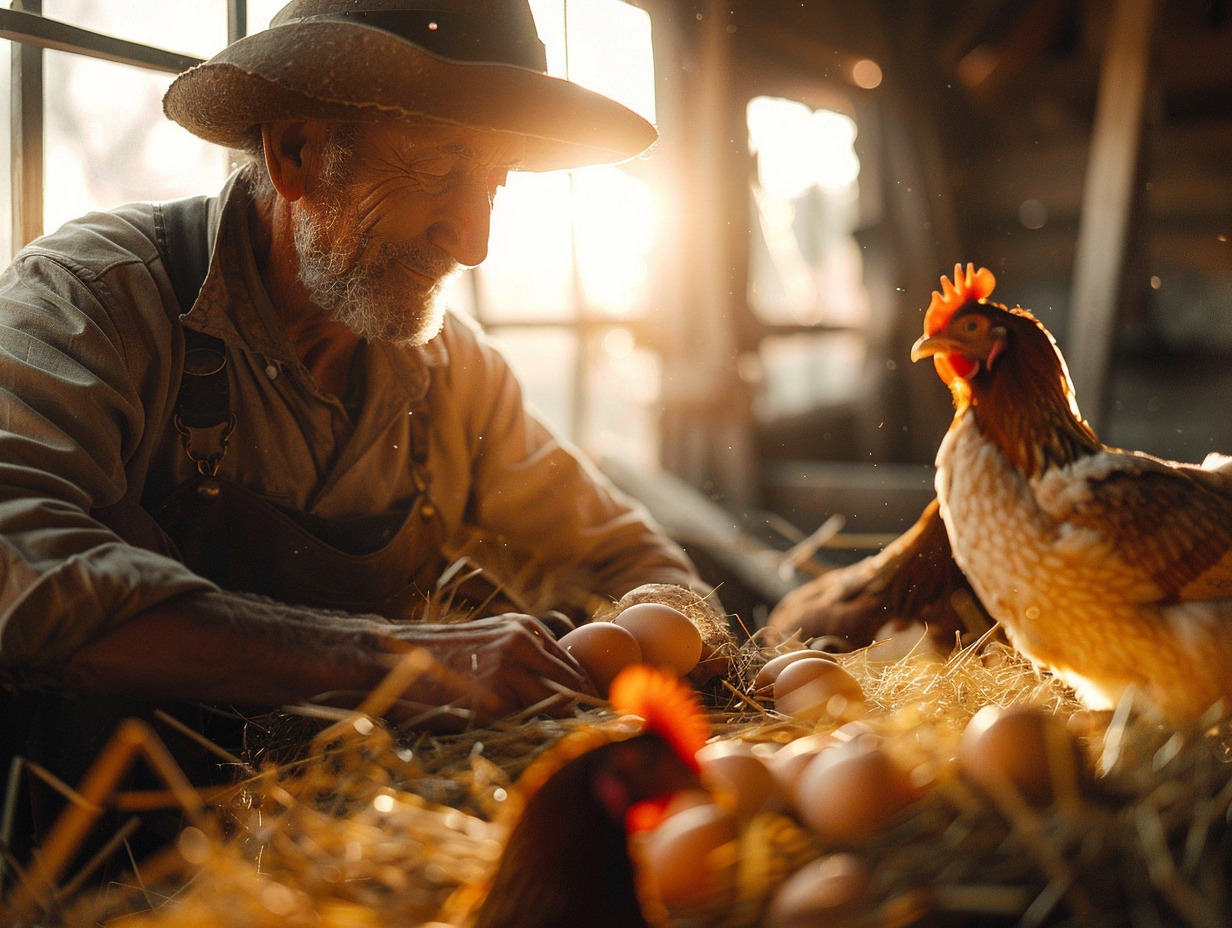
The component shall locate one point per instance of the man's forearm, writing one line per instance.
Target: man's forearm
(222, 647)
(232, 648)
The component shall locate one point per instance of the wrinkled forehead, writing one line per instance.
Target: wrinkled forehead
(469, 148)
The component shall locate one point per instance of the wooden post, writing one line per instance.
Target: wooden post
(1108, 199)
(705, 436)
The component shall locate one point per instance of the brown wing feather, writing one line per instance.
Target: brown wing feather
(1172, 521)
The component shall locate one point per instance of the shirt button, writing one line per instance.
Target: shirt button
(271, 370)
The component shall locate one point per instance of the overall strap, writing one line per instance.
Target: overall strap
(183, 241)
(203, 403)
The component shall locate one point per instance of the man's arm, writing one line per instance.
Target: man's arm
(537, 494)
(222, 647)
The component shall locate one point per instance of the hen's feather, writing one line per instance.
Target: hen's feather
(1171, 521)
(666, 705)
(1114, 568)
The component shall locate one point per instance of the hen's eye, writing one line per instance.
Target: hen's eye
(972, 325)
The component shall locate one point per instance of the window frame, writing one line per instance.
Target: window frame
(30, 32)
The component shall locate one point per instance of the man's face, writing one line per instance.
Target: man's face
(381, 234)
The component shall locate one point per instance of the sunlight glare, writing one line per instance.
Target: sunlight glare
(612, 214)
(619, 343)
(615, 218)
(866, 73)
(797, 147)
(528, 263)
(603, 50)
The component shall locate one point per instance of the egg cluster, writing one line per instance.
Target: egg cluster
(844, 785)
(643, 633)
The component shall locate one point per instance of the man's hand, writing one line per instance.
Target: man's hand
(485, 670)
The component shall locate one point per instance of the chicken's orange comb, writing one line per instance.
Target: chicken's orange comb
(968, 285)
(669, 707)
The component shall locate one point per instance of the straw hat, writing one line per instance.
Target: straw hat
(476, 63)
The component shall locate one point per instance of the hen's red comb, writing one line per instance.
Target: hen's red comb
(968, 285)
(668, 706)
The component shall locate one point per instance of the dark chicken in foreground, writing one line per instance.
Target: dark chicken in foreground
(567, 864)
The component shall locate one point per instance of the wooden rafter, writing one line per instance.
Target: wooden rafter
(1108, 200)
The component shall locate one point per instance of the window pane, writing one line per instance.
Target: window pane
(528, 273)
(543, 360)
(196, 28)
(621, 385)
(804, 372)
(260, 12)
(615, 229)
(539, 221)
(608, 48)
(805, 264)
(623, 389)
(108, 142)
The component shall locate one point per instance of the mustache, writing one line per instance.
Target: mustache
(434, 264)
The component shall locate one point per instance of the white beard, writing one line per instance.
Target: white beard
(370, 294)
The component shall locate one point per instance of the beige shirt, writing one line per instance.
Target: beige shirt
(91, 354)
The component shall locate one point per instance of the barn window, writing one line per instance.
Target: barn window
(805, 269)
(566, 280)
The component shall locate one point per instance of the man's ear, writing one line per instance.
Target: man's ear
(293, 154)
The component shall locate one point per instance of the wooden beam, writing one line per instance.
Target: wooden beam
(1108, 200)
(1021, 49)
(26, 137)
(28, 27)
(703, 156)
(1186, 167)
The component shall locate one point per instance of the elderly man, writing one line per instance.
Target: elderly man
(241, 438)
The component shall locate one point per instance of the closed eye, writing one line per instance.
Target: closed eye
(434, 167)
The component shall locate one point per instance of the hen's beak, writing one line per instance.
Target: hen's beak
(928, 345)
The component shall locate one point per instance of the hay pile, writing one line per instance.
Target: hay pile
(379, 828)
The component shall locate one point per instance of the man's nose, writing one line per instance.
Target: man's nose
(463, 222)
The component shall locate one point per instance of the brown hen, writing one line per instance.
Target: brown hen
(1112, 568)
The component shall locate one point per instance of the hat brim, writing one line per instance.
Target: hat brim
(350, 71)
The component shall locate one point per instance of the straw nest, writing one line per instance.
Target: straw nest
(378, 827)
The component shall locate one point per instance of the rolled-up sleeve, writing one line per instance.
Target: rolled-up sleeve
(79, 357)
